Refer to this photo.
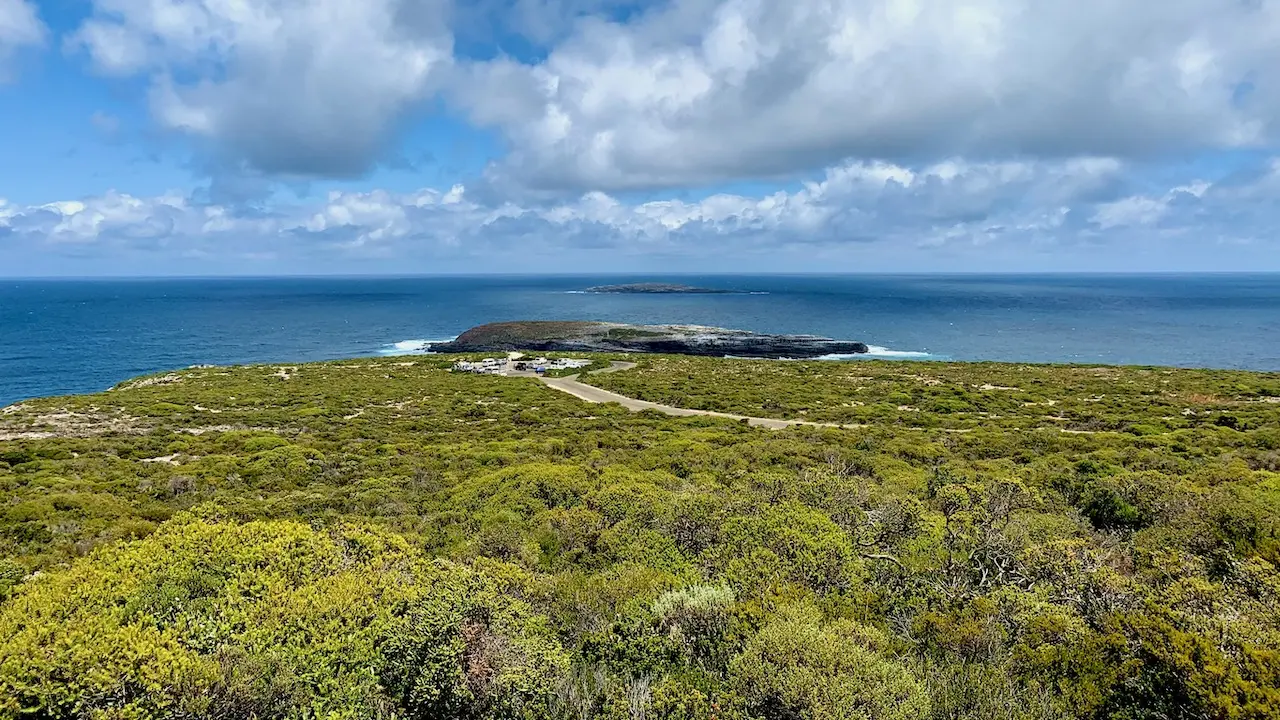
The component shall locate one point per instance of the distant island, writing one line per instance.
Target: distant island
(656, 288)
(579, 336)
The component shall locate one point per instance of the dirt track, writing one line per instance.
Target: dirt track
(592, 394)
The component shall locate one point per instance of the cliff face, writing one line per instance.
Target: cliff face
(544, 336)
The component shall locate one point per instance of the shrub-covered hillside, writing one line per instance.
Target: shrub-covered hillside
(382, 538)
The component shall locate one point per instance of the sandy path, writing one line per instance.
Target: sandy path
(592, 394)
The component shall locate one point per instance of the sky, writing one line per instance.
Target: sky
(278, 137)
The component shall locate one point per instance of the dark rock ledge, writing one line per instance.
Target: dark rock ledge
(573, 336)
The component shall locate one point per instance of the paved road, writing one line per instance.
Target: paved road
(592, 394)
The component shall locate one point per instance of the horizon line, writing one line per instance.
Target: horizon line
(658, 274)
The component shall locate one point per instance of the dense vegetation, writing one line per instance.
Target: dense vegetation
(382, 538)
(1139, 401)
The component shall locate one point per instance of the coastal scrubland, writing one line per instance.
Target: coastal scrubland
(384, 538)
(1085, 398)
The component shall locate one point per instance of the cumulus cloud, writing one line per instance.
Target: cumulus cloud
(304, 88)
(978, 212)
(912, 128)
(1238, 209)
(691, 92)
(110, 217)
(20, 26)
(698, 91)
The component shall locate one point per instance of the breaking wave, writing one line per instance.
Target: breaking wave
(886, 352)
(411, 347)
(876, 351)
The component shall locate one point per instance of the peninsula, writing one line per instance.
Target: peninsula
(656, 288)
(579, 336)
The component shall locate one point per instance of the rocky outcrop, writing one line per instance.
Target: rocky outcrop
(553, 336)
(653, 288)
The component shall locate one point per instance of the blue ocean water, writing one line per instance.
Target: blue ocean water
(65, 336)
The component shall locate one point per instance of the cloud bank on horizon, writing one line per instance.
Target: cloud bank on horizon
(274, 136)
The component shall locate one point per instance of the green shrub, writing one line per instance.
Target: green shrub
(1107, 510)
(697, 616)
(798, 667)
(11, 574)
(224, 620)
(1019, 552)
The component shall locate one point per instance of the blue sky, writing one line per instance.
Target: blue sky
(202, 137)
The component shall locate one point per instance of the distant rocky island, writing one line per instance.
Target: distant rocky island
(656, 288)
(577, 336)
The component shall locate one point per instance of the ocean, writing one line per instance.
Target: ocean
(77, 336)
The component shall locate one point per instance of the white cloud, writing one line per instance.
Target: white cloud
(698, 91)
(306, 88)
(20, 27)
(1136, 210)
(693, 92)
(924, 127)
(113, 215)
(978, 214)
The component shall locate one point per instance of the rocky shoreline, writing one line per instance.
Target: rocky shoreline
(573, 336)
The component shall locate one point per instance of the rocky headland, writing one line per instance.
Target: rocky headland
(574, 336)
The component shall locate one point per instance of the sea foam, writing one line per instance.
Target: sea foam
(412, 347)
(876, 351)
(886, 352)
